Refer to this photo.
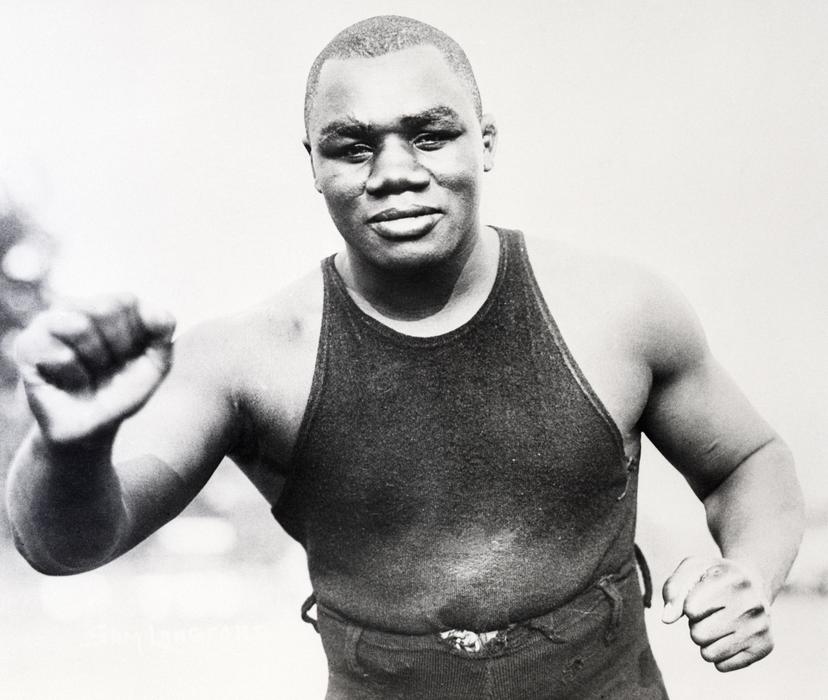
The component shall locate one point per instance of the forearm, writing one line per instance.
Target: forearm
(756, 515)
(65, 504)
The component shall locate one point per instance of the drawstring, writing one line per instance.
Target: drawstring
(547, 629)
(607, 585)
(631, 464)
(645, 574)
(306, 606)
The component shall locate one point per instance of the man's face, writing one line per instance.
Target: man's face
(398, 152)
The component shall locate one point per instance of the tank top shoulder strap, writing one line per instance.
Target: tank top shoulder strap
(525, 277)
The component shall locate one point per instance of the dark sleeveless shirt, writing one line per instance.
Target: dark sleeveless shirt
(467, 480)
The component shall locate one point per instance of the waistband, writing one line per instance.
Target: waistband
(552, 624)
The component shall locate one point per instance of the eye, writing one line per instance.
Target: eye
(433, 140)
(356, 152)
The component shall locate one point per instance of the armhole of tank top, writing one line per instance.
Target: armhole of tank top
(571, 363)
(315, 393)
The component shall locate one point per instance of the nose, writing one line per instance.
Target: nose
(395, 169)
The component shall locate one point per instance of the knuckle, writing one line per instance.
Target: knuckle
(762, 641)
(102, 306)
(695, 605)
(38, 318)
(66, 356)
(72, 323)
(715, 571)
(708, 653)
(126, 299)
(58, 356)
(38, 326)
(697, 635)
(728, 666)
(127, 305)
(757, 612)
(84, 321)
(22, 344)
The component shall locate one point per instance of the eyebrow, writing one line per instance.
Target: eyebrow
(351, 127)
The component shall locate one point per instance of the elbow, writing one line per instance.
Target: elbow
(765, 480)
(51, 567)
(45, 562)
(791, 498)
(41, 564)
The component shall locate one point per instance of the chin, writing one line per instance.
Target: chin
(407, 257)
(417, 254)
(404, 254)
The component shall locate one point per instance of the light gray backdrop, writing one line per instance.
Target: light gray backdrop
(159, 142)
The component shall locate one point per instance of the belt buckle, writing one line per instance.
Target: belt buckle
(468, 641)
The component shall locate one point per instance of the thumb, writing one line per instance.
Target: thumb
(158, 322)
(678, 586)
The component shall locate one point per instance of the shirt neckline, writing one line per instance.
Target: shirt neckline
(430, 340)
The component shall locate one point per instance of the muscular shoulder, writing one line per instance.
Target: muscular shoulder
(238, 386)
(279, 326)
(261, 358)
(639, 310)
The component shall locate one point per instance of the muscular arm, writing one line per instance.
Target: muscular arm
(79, 500)
(744, 475)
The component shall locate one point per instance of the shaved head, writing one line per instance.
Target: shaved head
(385, 34)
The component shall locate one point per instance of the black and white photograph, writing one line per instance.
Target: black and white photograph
(413, 350)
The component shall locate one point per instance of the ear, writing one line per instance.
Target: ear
(309, 150)
(489, 133)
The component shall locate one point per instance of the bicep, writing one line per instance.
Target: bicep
(703, 424)
(696, 415)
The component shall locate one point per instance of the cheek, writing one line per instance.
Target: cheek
(460, 174)
(341, 192)
(463, 185)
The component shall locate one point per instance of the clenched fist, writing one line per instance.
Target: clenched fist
(727, 608)
(88, 366)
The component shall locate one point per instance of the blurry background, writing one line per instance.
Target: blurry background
(155, 147)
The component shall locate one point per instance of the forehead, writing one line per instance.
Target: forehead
(382, 89)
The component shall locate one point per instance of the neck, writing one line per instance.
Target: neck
(410, 295)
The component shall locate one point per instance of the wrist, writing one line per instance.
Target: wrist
(91, 448)
(762, 583)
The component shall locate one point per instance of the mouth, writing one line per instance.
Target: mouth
(395, 213)
(404, 222)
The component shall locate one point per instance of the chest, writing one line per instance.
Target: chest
(619, 379)
(478, 386)
(606, 353)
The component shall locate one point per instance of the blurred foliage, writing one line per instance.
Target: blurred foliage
(25, 256)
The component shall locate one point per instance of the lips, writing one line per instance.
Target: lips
(394, 213)
(404, 223)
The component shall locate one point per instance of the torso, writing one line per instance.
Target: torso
(592, 301)
(595, 301)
